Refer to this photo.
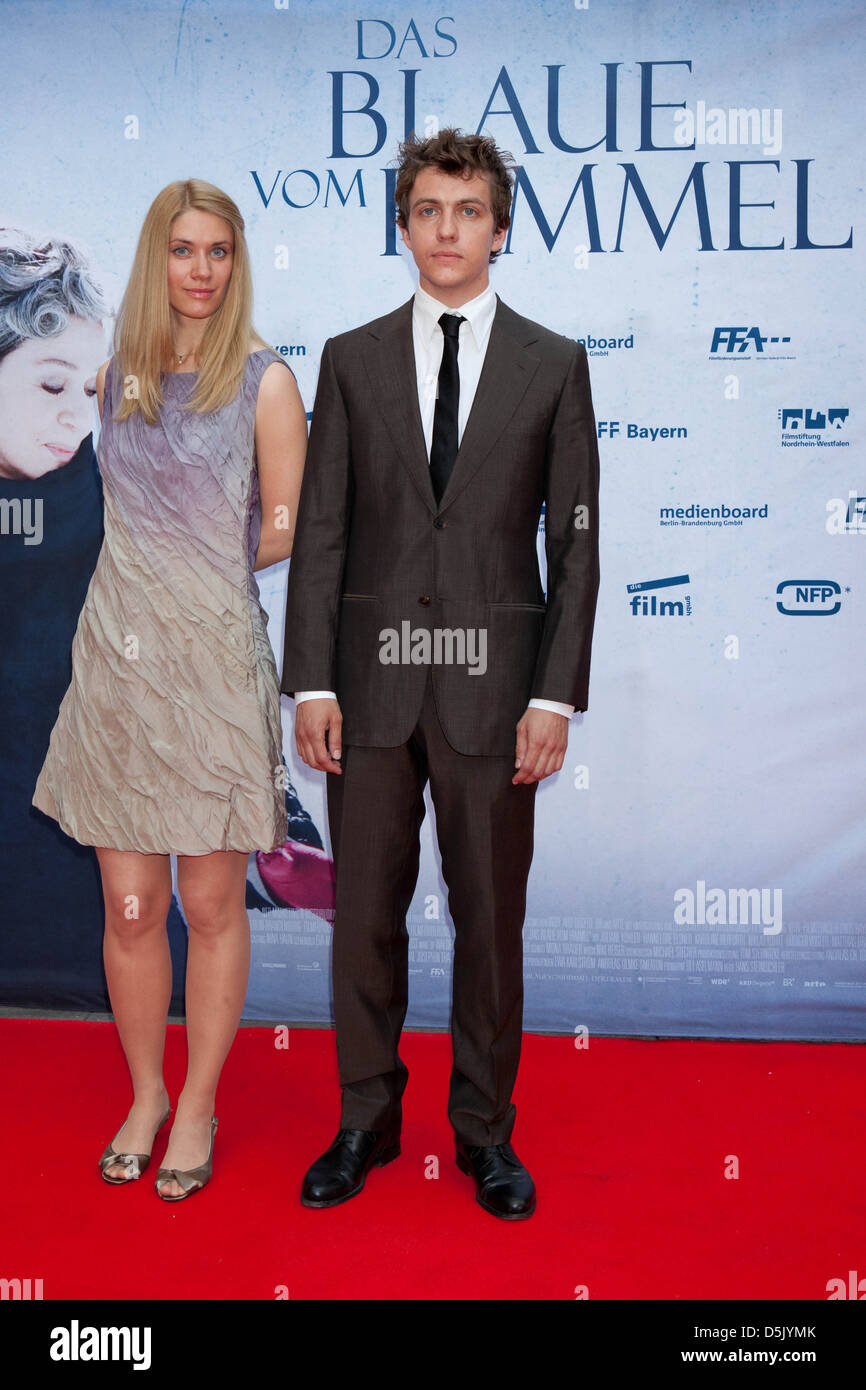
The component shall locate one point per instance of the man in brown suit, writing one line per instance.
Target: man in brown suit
(419, 646)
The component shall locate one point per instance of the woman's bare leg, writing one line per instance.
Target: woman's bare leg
(137, 893)
(211, 888)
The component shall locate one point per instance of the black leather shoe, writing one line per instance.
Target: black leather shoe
(342, 1170)
(503, 1185)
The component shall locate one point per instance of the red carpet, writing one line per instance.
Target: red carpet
(627, 1141)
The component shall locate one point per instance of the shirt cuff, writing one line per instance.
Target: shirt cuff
(554, 706)
(301, 695)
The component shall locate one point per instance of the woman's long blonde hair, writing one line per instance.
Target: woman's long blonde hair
(142, 336)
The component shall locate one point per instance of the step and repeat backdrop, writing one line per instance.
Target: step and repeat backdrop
(687, 205)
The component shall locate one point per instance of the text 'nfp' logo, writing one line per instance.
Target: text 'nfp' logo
(808, 598)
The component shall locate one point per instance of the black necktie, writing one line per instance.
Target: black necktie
(443, 448)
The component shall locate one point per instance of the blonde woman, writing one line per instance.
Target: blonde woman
(168, 740)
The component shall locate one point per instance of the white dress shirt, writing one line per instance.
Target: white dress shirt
(428, 341)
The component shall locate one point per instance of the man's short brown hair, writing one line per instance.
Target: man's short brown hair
(456, 153)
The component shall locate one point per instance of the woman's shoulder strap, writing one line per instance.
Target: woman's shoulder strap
(259, 361)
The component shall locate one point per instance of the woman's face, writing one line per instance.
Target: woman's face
(200, 250)
(46, 390)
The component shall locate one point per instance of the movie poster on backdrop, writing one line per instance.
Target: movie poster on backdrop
(686, 207)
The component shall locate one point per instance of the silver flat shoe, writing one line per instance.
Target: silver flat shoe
(135, 1164)
(191, 1180)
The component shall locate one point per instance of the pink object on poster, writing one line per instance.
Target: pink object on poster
(300, 876)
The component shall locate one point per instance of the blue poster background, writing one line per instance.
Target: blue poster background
(688, 205)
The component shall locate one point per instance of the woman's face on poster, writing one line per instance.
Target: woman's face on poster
(47, 387)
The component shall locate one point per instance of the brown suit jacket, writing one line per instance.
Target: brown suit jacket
(377, 559)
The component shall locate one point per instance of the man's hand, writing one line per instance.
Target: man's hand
(318, 734)
(542, 740)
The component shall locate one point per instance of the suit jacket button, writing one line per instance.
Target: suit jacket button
(439, 524)
(425, 599)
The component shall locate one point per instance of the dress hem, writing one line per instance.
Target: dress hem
(137, 849)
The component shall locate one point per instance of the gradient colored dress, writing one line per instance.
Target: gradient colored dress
(168, 740)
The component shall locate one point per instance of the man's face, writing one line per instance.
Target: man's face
(451, 234)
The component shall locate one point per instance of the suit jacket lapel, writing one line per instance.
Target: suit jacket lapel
(390, 365)
(507, 371)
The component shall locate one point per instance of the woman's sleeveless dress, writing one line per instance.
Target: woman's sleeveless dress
(168, 740)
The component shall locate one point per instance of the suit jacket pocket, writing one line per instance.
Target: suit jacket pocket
(513, 642)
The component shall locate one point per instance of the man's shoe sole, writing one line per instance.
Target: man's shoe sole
(386, 1156)
(466, 1167)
